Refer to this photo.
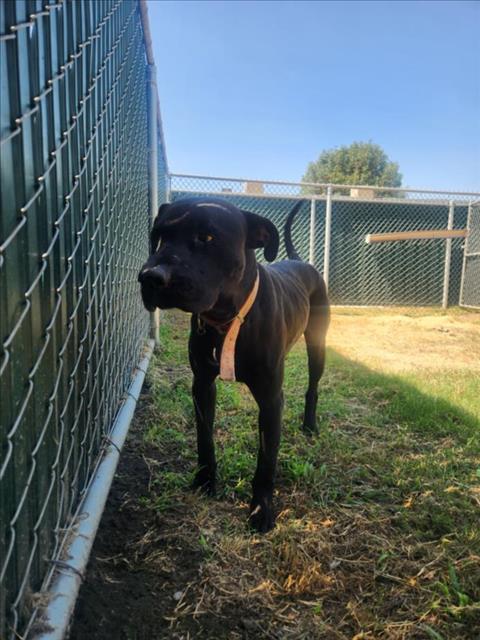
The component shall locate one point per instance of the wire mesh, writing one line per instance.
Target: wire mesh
(73, 235)
(470, 289)
(393, 273)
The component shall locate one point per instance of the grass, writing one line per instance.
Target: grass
(378, 515)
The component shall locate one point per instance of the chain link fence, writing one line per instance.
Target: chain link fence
(73, 235)
(81, 141)
(332, 225)
(470, 287)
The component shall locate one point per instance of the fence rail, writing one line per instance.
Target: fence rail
(74, 135)
(296, 188)
(334, 222)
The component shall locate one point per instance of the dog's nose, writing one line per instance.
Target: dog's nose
(158, 276)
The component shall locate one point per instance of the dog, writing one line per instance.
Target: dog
(203, 262)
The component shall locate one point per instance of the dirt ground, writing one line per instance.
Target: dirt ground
(422, 338)
(144, 561)
(122, 599)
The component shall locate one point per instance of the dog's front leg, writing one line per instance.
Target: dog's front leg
(262, 517)
(204, 396)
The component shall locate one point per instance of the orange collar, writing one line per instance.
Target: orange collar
(227, 359)
(232, 328)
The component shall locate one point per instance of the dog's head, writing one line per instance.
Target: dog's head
(198, 250)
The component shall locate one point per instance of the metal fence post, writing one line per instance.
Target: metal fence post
(470, 283)
(153, 169)
(311, 250)
(448, 257)
(465, 251)
(328, 232)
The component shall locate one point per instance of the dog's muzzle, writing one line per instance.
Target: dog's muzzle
(153, 281)
(155, 277)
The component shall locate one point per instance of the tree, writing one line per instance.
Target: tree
(361, 163)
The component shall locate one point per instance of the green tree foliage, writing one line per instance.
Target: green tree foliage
(361, 163)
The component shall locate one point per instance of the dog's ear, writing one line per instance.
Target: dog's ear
(261, 232)
(162, 210)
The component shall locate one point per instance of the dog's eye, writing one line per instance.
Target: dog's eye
(204, 238)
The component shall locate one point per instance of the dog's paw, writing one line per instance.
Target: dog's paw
(205, 481)
(309, 429)
(261, 518)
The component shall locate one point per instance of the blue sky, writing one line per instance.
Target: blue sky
(259, 89)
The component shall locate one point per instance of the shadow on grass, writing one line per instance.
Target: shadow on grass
(398, 400)
(385, 444)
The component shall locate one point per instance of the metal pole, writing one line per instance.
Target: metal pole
(465, 252)
(448, 257)
(328, 232)
(311, 252)
(153, 168)
(63, 592)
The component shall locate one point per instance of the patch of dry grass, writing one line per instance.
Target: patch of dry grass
(377, 531)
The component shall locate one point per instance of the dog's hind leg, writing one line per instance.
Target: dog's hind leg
(315, 335)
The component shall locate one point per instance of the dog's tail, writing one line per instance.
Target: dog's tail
(287, 233)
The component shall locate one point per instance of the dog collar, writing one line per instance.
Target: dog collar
(227, 359)
(231, 329)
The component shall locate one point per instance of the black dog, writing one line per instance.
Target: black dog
(203, 261)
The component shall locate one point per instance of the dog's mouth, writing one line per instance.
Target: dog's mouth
(148, 304)
(176, 296)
